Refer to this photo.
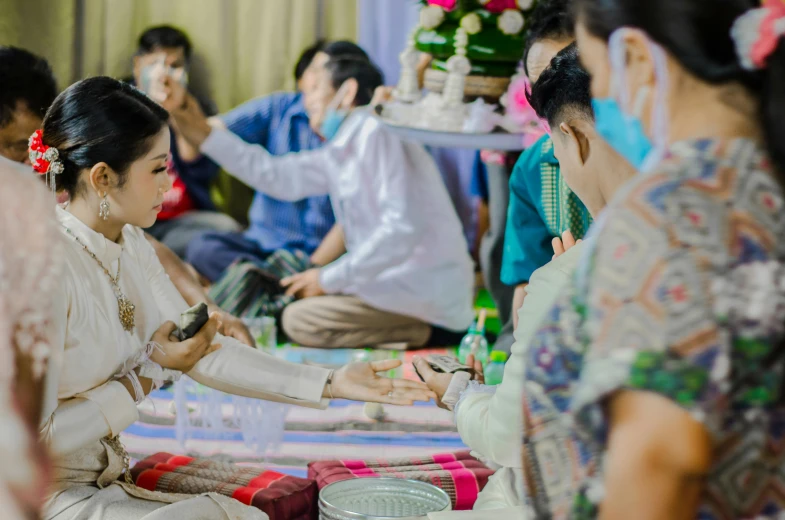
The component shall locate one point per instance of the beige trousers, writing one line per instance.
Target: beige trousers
(348, 322)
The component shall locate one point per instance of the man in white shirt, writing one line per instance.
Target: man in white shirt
(406, 276)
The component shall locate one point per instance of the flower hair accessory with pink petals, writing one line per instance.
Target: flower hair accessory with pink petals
(45, 159)
(447, 5)
(757, 33)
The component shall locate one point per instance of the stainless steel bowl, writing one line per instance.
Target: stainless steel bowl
(381, 499)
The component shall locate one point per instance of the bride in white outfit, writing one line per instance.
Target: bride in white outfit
(115, 308)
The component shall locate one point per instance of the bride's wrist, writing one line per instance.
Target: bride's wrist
(138, 387)
(328, 386)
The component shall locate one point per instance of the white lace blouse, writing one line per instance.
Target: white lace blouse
(83, 404)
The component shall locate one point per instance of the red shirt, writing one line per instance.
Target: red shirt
(176, 200)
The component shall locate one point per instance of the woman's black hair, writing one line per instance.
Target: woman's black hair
(98, 120)
(697, 33)
(367, 75)
(550, 20)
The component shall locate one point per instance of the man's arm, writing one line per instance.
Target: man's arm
(188, 153)
(193, 293)
(289, 177)
(331, 248)
(657, 459)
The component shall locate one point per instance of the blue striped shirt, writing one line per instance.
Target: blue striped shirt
(279, 123)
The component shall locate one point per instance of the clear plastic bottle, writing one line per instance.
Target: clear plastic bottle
(474, 343)
(494, 372)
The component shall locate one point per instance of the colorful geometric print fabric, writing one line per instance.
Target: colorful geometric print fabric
(683, 294)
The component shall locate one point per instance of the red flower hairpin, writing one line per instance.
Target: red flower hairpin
(45, 159)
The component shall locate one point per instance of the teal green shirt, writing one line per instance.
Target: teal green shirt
(542, 207)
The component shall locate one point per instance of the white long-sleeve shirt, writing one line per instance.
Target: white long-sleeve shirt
(492, 423)
(82, 402)
(406, 249)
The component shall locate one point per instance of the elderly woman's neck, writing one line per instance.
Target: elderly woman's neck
(615, 174)
(703, 111)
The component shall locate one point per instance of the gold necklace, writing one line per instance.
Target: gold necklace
(125, 307)
(119, 449)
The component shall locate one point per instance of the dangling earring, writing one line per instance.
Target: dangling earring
(103, 208)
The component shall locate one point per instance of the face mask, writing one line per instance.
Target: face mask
(332, 123)
(622, 130)
(334, 116)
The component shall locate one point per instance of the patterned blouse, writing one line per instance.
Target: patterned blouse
(683, 294)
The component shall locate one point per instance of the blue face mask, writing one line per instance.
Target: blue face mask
(333, 119)
(622, 131)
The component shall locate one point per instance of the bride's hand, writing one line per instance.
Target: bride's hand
(183, 355)
(359, 382)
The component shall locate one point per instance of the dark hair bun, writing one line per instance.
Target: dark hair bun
(98, 120)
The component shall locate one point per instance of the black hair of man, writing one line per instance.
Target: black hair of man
(563, 90)
(345, 48)
(367, 75)
(164, 37)
(26, 80)
(306, 58)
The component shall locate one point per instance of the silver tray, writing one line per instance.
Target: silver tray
(501, 141)
(381, 499)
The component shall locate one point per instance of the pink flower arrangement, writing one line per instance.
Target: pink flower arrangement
(493, 6)
(498, 6)
(493, 157)
(521, 112)
(447, 5)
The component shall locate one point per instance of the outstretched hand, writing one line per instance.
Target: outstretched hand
(439, 382)
(360, 382)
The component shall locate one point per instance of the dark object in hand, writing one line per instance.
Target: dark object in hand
(445, 364)
(191, 321)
